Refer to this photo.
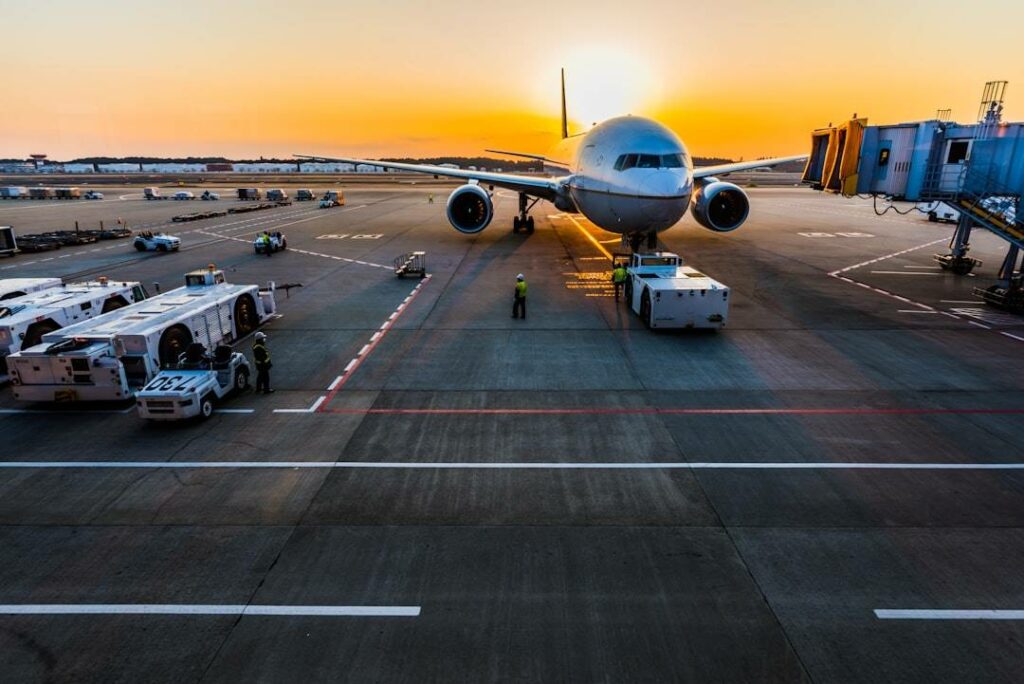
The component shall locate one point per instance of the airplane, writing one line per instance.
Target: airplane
(628, 175)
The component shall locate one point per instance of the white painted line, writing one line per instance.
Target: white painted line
(440, 465)
(926, 268)
(393, 316)
(916, 311)
(236, 410)
(205, 609)
(316, 404)
(929, 273)
(363, 350)
(334, 384)
(960, 301)
(980, 325)
(291, 410)
(350, 364)
(374, 337)
(1013, 336)
(64, 413)
(905, 614)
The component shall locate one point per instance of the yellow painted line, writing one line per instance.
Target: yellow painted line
(590, 237)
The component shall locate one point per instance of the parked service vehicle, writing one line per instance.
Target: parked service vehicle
(13, 192)
(24, 320)
(667, 294)
(246, 194)
(194, 385)
(19, 287)
(93, 195)
(332, 198)
(40, 193)
(278, 242)
(8, 241)
(208, 195)
(184, 195)
(304, 195)
(277, 195)
(115, 355)
(156, 242)
(152, 193)
(940, 211)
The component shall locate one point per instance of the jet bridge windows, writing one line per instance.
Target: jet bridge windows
(649, 161)
(957, 151)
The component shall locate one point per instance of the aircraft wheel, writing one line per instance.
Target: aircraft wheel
(172, 343)
(529, 225)
(139, 247)
(516, 224)
(246, 318)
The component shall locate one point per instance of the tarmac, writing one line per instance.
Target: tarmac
(439, 492)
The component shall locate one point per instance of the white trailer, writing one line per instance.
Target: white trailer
(13, 192)
(667, 294)
(112, 356)
(19, 287)
(24, 320)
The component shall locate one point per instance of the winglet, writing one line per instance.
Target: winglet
(565, 121)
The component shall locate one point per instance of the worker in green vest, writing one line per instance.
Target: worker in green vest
(618, 279)
(519, 300)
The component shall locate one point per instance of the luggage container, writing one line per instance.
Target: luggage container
(114, 355)
(24, 320)
(67, 193)
(277, 195)
(13, 192)
(247, 194)
(8, 242)
(40, 193)
(152, 193)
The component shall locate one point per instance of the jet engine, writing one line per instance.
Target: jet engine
(719, 206)
(470, 209)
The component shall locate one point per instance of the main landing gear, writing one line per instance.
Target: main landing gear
(636, 240)
(524, 221)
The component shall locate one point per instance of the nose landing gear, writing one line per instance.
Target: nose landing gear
(524, 221)
(635, 240)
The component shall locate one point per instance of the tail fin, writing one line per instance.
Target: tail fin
(565, 121)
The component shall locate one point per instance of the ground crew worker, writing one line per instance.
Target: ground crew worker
(618, 279)
(430, 198)
(266, 243)
(261, 356)
(519, 300)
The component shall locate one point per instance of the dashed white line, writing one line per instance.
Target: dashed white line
(503, 465)
(914, 614)
(334, 384)
(206, 609)
(1016, 337)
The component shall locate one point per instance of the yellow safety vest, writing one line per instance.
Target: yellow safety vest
(619, 275)
(521, 288)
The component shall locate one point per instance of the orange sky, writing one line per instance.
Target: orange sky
(395, 77)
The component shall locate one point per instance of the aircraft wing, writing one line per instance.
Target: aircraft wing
(722, 169)
(546, 188)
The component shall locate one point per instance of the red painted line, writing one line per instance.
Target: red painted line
(352, 368)
(678, 411)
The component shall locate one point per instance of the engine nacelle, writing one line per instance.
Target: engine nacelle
(470, 209)
(720, 206)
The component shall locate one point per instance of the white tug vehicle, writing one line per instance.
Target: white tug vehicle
(113, 356)
(156, 242)
(192, 388)
(19, 287)
(666, 294)
(275, 241)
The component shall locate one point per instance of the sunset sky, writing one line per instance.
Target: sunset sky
(395, 77)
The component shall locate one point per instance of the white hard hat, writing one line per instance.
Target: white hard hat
(520, 277)
(261, 336)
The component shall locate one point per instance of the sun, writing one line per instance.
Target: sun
(602, 82)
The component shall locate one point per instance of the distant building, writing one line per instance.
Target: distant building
(219, 167)
(266, 167)
(79, 168)
(449, 166)
(173, 168)
(326, 167)
(117, 168)
(17, 167)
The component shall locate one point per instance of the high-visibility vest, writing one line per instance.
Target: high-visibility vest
(260, 354)
(521, 288)
(619, 275)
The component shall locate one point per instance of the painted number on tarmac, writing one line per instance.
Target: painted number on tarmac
(342, 236)
(831, 235)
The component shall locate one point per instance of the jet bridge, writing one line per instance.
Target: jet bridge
(977, 168)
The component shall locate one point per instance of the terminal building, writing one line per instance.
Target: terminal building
(977, 169)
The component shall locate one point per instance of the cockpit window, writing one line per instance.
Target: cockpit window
(649, 161)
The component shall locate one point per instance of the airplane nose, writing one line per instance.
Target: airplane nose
(664, 183)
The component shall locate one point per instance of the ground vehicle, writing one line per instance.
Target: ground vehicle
(249, 194)
(208, 195)
(112, 356)
(156, 242)
(332, 198)
(24, 320)
(8, 242)
(93, 195)
(940, 211)
(19, 287)
(278, 242)
(191, 388)
(304, 195)
(184, 195)
(13, 192)
(152, 193)
(667, 294)
(40, 193)
(67, 193)
(277, 195)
